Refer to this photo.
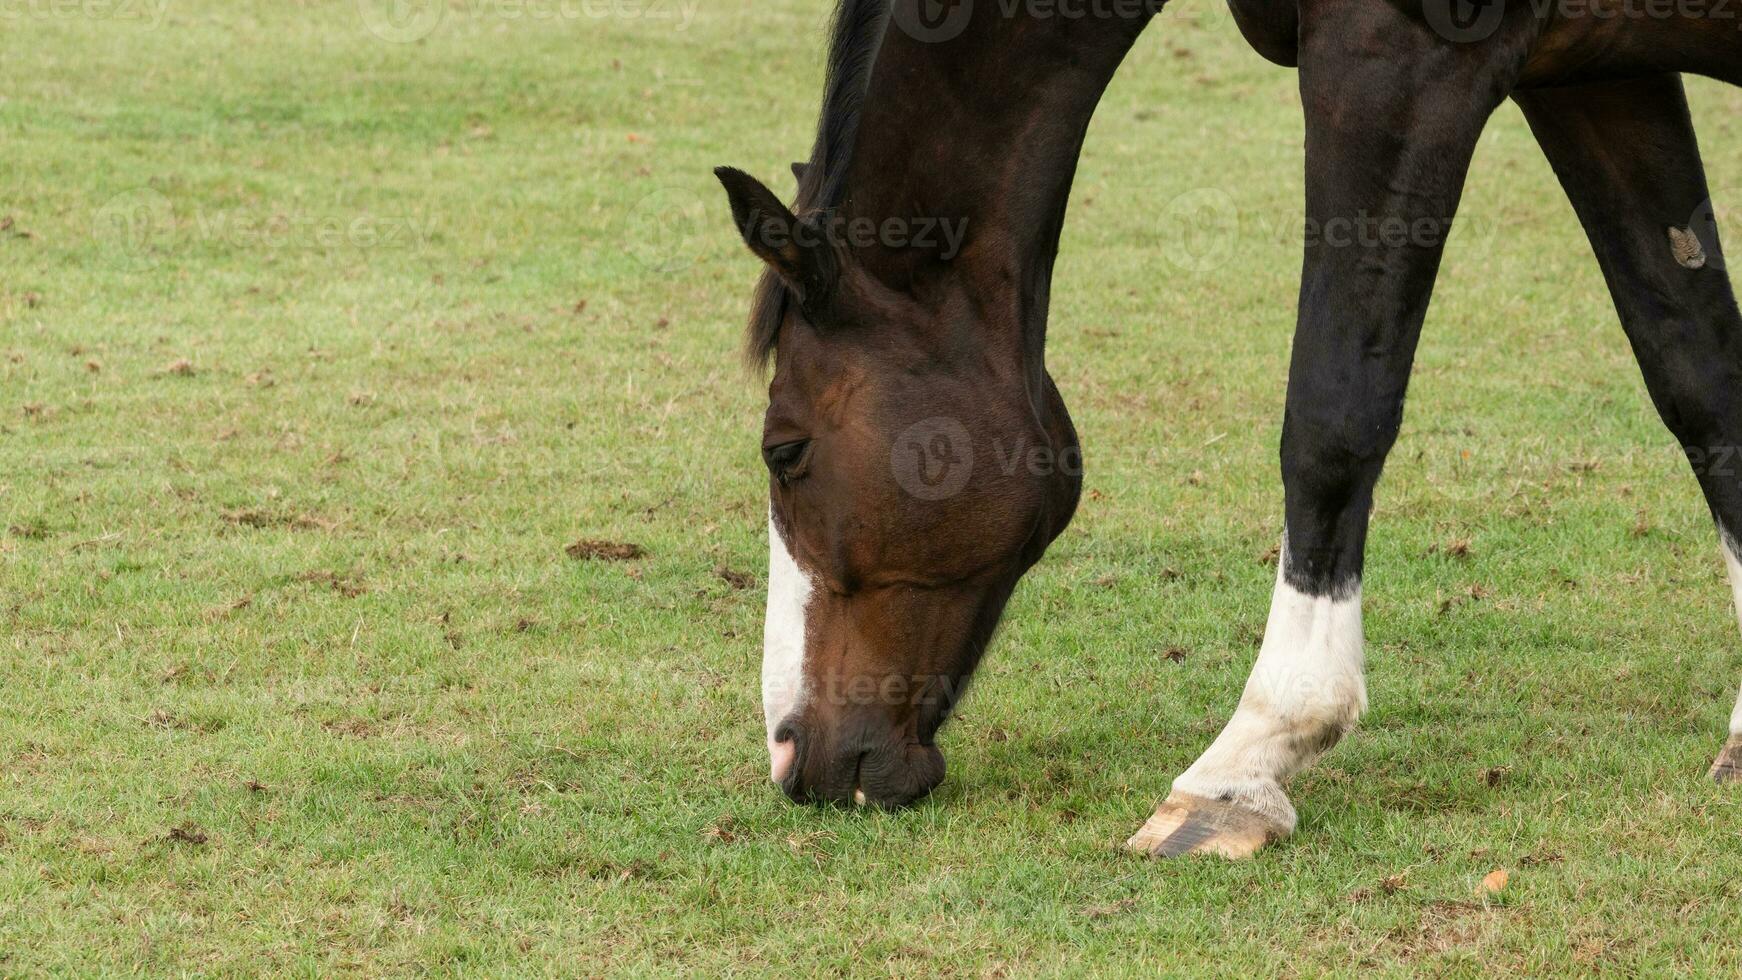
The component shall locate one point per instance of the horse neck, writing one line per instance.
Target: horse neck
(985, 129)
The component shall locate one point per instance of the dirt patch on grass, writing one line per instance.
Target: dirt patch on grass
(1446, 925)
(254, 518)
(348, 586)
(188, 833)
(595, 550)
(238, 604)
(350, 728)
(736, 579)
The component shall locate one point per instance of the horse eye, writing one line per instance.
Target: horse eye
(785, 460)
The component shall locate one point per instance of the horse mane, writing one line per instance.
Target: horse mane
(855, 37)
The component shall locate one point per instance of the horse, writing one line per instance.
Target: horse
(909, 366)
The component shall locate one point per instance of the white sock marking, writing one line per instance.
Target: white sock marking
(783, 643)
(1306, 689)
(1733, 557)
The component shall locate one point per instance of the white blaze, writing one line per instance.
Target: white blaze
(1306, 689)
(1733, 555)
(789, 591)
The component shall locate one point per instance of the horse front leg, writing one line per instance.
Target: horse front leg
(1391, 127)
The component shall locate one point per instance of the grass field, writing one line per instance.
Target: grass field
(318, 348)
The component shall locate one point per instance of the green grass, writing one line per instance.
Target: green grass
(300, 404)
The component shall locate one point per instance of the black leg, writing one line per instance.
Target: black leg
(1628, 157)
(1393, 117)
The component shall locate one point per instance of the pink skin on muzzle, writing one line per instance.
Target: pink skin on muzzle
(780, 758)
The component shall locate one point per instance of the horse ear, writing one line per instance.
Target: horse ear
(796, 250)
(798, 169)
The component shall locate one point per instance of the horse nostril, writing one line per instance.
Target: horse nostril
(781, 756)
(786, 758)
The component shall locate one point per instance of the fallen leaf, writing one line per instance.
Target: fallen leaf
(1495, 880)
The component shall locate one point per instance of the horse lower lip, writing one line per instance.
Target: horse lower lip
(859, 797)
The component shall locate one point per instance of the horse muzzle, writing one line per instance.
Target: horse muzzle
(888, 771)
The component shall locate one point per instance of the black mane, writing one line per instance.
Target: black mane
(855, 38)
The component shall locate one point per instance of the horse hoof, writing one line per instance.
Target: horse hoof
(1186, 824)
(1728, 768)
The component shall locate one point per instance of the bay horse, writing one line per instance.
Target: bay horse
(909, 364)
